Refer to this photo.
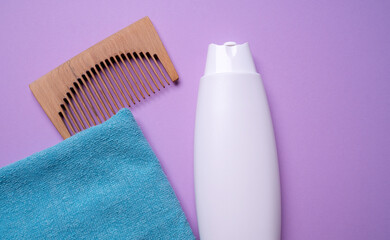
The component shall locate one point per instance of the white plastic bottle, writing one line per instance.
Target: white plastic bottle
(237, 183)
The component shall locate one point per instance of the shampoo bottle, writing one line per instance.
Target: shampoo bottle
(235, 160)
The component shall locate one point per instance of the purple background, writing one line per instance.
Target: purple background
(325, 66)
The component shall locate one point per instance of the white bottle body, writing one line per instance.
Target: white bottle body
(235, 160)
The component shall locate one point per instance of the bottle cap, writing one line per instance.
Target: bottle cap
(229, 57)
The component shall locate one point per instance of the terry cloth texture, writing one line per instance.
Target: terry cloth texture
(103, 183)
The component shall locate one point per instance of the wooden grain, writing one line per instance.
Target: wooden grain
(50, 90)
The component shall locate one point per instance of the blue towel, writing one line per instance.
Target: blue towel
(102, 183)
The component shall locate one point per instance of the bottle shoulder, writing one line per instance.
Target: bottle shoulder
(231, 74)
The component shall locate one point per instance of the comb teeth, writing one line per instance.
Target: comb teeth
(119, 81)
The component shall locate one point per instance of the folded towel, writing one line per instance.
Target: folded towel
(102, 183)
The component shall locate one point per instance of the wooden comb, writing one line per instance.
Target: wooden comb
(119, 71)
